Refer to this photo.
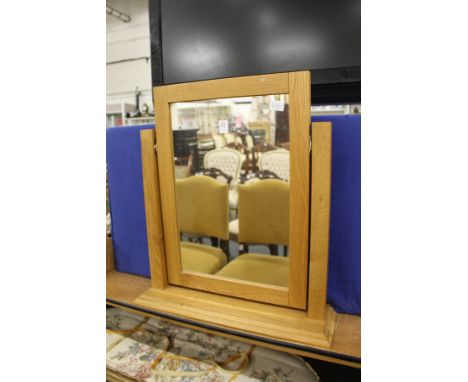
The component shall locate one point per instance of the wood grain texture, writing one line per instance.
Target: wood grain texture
(237, 288)
(110, 262)
(298, 84)
(267, 320)
(229, 87)
(154, 227)
(167, 184)
(299, 136)
(126, 288)
(347, 336)
(320, 218)
(176, 276)
(330, 322)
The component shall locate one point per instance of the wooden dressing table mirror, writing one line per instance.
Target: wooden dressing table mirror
(241, 254)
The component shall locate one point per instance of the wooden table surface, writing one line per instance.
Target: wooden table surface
(123, 289)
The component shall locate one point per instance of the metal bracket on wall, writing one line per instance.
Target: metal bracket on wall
(117, 14)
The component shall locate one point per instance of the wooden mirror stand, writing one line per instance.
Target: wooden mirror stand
(315, 331)
(312, 326)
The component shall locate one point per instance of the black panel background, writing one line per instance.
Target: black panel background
(155, 41)
(194, 40)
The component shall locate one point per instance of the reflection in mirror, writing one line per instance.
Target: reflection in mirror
(231, 164)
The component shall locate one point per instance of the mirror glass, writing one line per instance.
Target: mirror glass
(231, 166)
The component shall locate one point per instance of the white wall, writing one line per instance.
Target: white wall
(128, 40)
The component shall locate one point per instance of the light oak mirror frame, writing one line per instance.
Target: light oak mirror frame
(309, 252)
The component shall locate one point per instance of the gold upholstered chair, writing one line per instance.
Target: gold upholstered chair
(265, 214)
(258, 268)
(263, 219)
(202, 211)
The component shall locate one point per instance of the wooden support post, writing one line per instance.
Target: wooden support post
(154, 225)
(319, 219)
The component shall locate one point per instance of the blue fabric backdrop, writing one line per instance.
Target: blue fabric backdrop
(126, 199)
(344, 271)
(128, 212)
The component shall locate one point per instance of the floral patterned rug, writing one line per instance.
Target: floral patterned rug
(145, 350)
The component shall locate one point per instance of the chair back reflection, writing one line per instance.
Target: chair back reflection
(277, 162)
(264, 212)
(202, 206)
(202, 211)
(263, 219)
(247, 163)
(227, 160)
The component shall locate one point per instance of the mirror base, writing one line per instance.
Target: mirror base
(258, 319)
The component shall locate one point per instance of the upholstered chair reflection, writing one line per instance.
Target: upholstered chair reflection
(219, 141)
(259, 149)
(202, 212)
(263, 219)
(228, 161)
(229, 138)
(277, 162)
(247, 163)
